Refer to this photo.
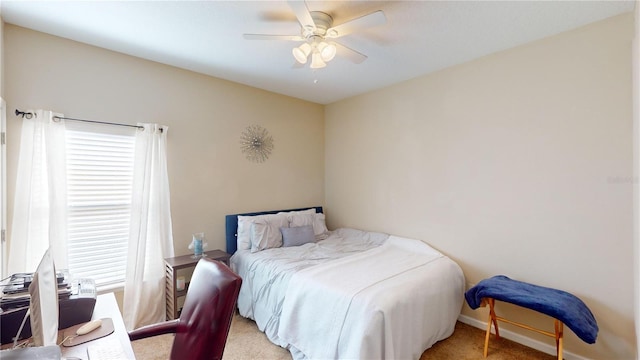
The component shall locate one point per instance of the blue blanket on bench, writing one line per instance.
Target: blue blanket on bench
(556, 303)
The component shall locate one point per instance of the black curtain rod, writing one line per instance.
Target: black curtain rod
(98, 122)
(29, 115)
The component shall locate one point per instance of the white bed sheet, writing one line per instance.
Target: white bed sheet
(397, 317)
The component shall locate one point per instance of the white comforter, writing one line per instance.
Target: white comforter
(354, 295)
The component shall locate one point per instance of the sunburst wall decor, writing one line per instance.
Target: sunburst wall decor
(256, 143)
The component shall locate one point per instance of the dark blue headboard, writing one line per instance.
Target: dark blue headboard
(231, 225)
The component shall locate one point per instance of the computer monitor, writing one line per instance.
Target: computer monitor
(43, 304)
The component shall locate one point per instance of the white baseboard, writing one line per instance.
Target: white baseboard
(521, 339)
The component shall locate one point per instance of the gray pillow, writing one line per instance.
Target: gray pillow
(297, 235)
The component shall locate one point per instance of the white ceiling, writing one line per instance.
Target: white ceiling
(206, 36)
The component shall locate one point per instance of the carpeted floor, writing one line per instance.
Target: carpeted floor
(247, 342)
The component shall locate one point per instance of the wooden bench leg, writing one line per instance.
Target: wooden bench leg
(492, 320)
(559, 326)
(486, 337)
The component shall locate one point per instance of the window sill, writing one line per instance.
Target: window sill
(105, 289)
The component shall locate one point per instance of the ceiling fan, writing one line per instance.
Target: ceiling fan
(317, 32)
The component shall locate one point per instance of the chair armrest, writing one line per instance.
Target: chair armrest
(166, 327)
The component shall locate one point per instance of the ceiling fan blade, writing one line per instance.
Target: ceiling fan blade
(272, 37)
(350, 54)
(302, 13)
(374, 19)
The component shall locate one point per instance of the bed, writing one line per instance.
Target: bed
(347, 293)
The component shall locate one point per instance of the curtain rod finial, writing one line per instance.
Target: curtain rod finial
(24, 114)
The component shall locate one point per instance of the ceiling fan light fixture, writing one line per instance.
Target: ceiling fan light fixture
(316, 61)
(301, 53)
(317, 32)
(327, 51)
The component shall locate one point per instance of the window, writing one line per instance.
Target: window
(99, 185)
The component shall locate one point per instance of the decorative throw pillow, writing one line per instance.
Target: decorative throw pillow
(296, 236)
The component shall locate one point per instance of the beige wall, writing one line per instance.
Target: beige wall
(518, 163)
(1, 58)
(2, 159)
(208, 175)
(636, 152)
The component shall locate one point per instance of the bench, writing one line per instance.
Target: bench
(565, 308)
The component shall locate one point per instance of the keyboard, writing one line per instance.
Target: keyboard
(106, 350)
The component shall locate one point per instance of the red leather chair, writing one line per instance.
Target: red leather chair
(203, 326)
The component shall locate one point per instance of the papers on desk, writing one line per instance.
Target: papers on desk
(15, 292)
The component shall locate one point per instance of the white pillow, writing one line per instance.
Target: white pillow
(299, 212)
(319, 226)
(313, 219)
(301, 219)
(265, 231)
(244, 231)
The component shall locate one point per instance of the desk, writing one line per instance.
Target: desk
(106, 307)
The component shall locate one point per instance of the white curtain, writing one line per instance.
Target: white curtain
(40, 203)
(151, 237)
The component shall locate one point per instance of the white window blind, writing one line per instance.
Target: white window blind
(99, 183)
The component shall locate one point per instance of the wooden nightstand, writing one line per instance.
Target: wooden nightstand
(186, 263)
